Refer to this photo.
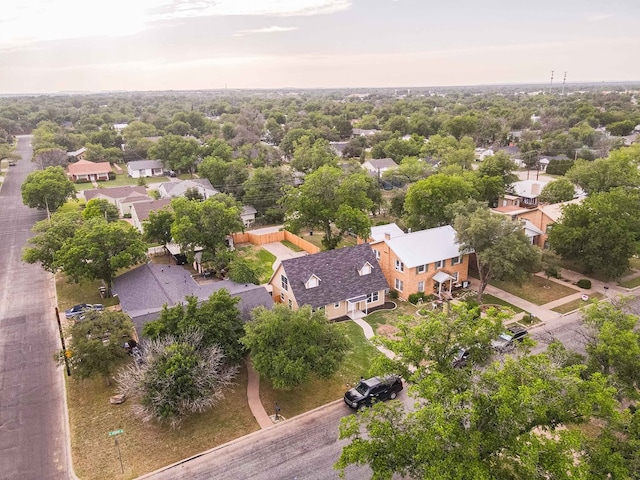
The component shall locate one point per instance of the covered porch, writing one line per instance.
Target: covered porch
(357, 307)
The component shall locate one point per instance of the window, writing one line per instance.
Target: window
(282, 297)
(366, 269)
(284, 281)
(312, 282)
(377, 254)
(421, 286)
(456, 260)
(336, 305)
(399, 285)
(372, 297)
(399, 266)
(439, 264)
(290, 304)
(421, 269)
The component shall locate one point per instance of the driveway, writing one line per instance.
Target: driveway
(281, 252)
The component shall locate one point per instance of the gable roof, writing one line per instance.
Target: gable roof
(75, 153)
(338, 271)
(114, 192)
(380, 163)
(145, 289)
(554, 210)
(178, 189)
(145, 164)
(85, 167)
(143, 209)
(528, 188)
(379, 231)
(425, 246)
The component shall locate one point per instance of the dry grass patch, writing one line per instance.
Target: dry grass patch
(390, 317)
(145, 446)
(535, 289)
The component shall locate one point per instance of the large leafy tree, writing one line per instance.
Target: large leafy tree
(308, 156)
(601, 233)
(217, 319)
(177, 376)
(499, 165)
(604, 174)
(205, 224)
(330, 199)
(101, 208)
(426, 200)
(177, 152)
(95, 345)
(290, 347)
(99, 249)
(47, 189)
(501, 248)
(157, 228)
(51, 157)
(560, 190)
(263, 189)
(228, 177)
(49, 237)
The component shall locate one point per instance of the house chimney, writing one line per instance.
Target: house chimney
(535, 189)
(387, 236)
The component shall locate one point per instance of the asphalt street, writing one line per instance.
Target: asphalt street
(33, 432)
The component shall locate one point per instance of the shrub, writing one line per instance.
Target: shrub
(584, 283)
(415, 297)
(393, 294)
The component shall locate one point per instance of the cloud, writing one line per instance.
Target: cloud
(598, 17)
(273, 29)
(30, 21)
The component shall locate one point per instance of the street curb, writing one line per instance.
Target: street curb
(236, 440)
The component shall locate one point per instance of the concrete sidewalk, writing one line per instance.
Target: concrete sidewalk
(253, 397)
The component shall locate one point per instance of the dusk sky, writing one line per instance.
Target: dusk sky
(93, 45)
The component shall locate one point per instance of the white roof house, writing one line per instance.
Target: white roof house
(379, 165)
(528, 188)
(425, 246)
(178, 189)
(380, 232)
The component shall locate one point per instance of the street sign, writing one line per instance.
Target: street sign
(116, 432)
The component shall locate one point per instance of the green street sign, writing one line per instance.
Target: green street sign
(116, 432)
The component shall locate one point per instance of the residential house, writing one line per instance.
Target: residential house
(481, 153)
(248, 215)
(77, 155)
(524, 194)
(362, 132)
(145, 168)
(178, 189)
(428, 261)
(119, 127)
(377, 166)
(338, 147)
(342, 282)
(85, 171)
(140, 211)
(543, 163)
(144, 290)
(125, 204)
(121, 197)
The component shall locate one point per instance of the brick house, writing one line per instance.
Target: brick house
(342, 282)
(428, 261)
(86, 171)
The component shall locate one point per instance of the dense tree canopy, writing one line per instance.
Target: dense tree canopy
(560, 190)
(47, 189)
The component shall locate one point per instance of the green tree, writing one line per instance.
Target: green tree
(601, 233)
(228, 177)
(177, 153)
(560, 190)
(499, 165)
(49, 237)
(502, 249)
(427, 200)
(47, 189)
(205, 224)
(264, 188)
(96, 343)
(291, 347)
(218, 148)
(217, 319)
(177, 376)
(330, 199)
(308, 156)
(50, 157)
(101, 208)
(461, 126)
(604, 174)
(240, 271)
(157, 228)
(622, 128)
(99, 249)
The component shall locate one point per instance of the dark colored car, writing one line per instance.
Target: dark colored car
(79, 310)
(12, 163)
(373, 390)
(506, 341)
(461, 358)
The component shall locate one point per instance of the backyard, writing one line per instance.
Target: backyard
(261, 260)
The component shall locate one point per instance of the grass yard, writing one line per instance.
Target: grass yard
(145, 446)
(70, 294)
(320, 391)
(316, 239)
(576, 304)
(260, 259)
(535, 289)
(291, 246)
(631, 282)
(72, 206)
(488, 299)
(390, 317)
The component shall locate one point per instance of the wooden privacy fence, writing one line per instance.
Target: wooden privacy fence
(274, 237)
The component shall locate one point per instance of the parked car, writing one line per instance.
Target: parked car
(372, 390)
(506, 341)
(12, 163)
(461, 358)
(77, 311)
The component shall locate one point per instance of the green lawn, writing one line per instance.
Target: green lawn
(631, 283)
(390, 317)
(318, 392)
(576, 304)
(260, 259)
(70, 294)
(316, 239)
(291, 246)
(488, 299)
(535, 289)
(145, 446)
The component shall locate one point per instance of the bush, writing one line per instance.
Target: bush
(584, 283)
(415, 297)
(393, 294)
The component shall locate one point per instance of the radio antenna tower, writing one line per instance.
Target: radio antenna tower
(551, 84)
(564, 81)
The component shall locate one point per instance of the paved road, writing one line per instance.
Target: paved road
(567, 329)
(33, 437)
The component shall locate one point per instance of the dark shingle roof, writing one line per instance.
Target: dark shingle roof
(338, 274)
(114, 192)
(143, 209)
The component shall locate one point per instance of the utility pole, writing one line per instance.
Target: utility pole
(564, 81)
(551, 84)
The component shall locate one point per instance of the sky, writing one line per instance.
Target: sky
(49, 46)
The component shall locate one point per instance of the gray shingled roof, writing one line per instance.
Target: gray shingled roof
(178, 189)
(145, 289)
(338, 274)
(114, 192)
(382, 163)
(144, 208)
(145, 164)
